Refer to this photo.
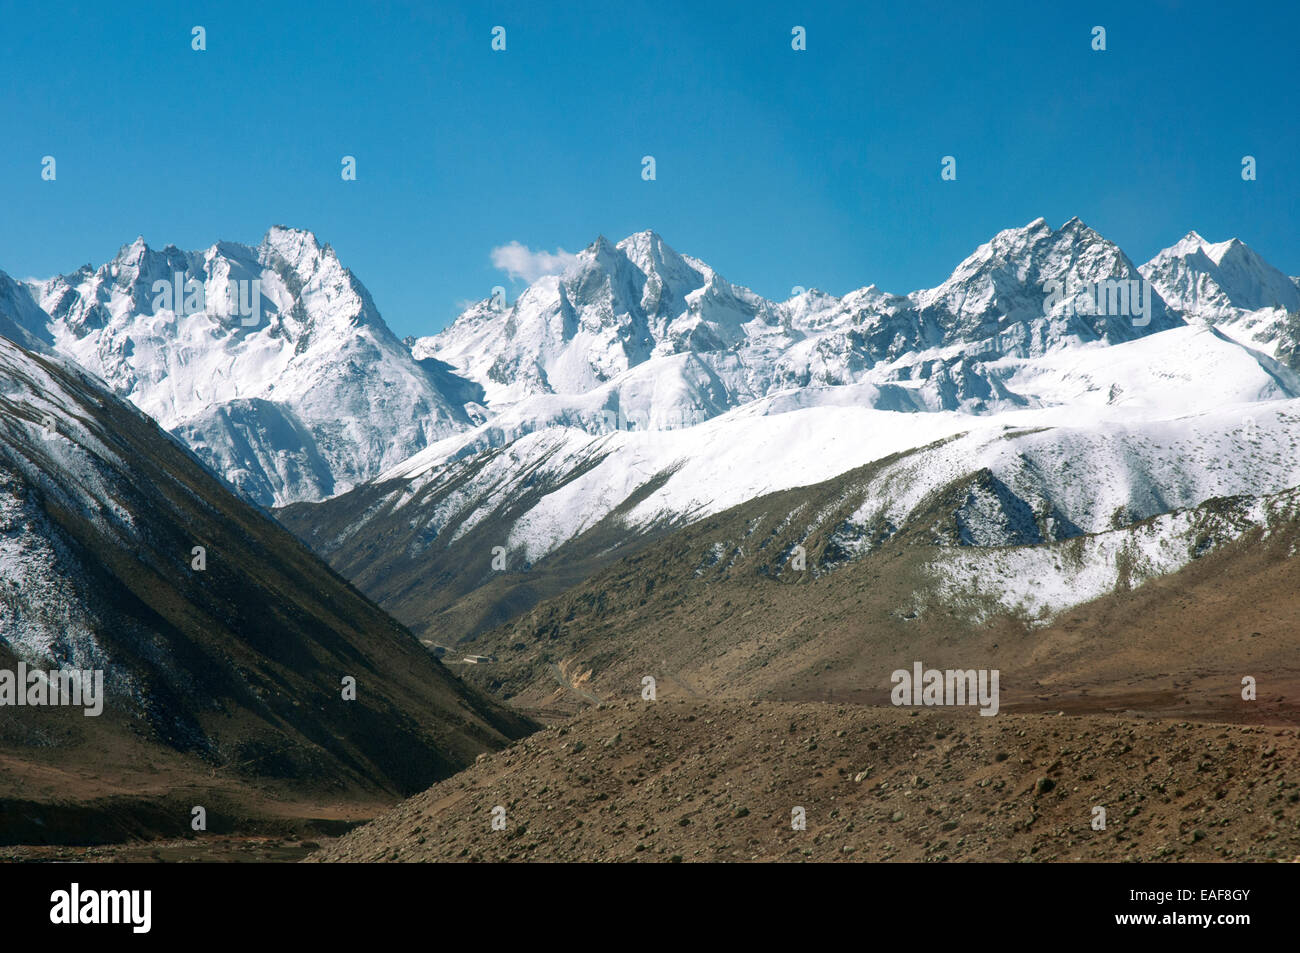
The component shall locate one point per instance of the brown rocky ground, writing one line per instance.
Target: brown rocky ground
(706, 781)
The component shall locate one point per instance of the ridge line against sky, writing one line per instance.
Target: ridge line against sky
(777, 167)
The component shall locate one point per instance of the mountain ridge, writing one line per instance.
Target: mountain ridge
(271, 362)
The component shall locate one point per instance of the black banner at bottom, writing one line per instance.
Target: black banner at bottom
(944, 903)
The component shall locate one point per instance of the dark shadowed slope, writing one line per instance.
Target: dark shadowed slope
(229, 677)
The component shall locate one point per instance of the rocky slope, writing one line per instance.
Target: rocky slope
(1168, 613)
(696, 781)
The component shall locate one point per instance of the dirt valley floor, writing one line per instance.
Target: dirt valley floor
(681, 780)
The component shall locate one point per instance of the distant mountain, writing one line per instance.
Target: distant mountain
(312, 395)
(271, 363)
(620, 306)
(1229, 285)
(1219, 280)
(636, 335)
(233, 665)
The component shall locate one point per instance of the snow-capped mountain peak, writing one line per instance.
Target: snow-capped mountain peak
(603, 336)
(1229, 285)
(130, 255)
(271, 362)
(651, 255)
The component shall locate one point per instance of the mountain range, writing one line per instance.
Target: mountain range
(639, 391)
(311, 394)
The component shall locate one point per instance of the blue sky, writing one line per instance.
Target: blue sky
(780, 168)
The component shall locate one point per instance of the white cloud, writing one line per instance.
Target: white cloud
(520, 261)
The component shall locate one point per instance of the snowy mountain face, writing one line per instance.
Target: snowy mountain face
(271, 363)
(1230, 286)
(643, 336)
(618, 307)
(1219, 280)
